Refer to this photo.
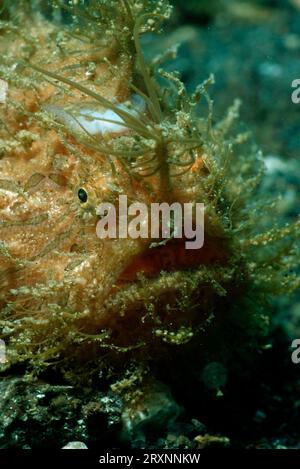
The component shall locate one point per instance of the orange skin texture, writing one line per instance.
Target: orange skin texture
(42, 253)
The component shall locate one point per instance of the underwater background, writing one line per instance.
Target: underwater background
(252, 48)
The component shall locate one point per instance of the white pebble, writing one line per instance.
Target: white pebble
(75, 445)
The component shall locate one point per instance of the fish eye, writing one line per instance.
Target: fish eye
(82, 195)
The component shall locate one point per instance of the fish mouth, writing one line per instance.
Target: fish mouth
(164, 287)
(170, 257)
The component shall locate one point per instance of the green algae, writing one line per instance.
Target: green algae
(218, 309)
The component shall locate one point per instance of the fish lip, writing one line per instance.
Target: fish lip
(168, 258)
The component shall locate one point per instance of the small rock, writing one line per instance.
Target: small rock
(295, 3)
(214, 376)
(156, 410)
(207, 441)
(259, 416)
(75, 445)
